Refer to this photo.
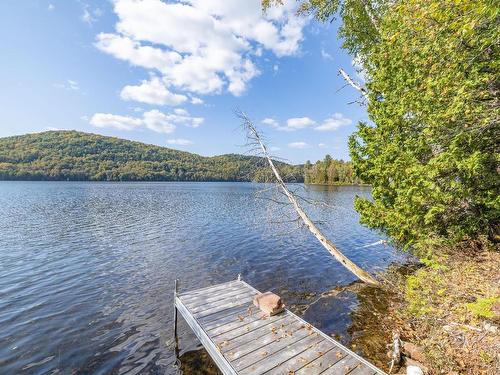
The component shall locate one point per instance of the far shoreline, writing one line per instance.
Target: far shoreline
(190, 181)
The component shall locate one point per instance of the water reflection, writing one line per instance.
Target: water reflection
(87, 269)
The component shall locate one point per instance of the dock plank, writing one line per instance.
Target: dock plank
(245, 301)
(219, 324)
(235, 322)
(214, 296)
(205, 305)
(250, 327)
(344, 366)
(273, 347)
(362, 370)
(275, 359)
(236, 311)
(292, 364)
(207, 290)
(322, 363)
(258, 337)
(242, 340)
(247, 344)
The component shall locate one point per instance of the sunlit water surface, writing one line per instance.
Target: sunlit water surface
(87, 269)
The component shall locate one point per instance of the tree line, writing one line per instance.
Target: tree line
(77, 156)
(330, 172)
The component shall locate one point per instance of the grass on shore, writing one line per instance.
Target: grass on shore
(450, 308)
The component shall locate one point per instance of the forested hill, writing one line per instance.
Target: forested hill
(72, 155)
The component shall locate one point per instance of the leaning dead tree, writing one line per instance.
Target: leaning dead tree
(353, 84)
(255, 137)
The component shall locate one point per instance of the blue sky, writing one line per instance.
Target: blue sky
(172, 74)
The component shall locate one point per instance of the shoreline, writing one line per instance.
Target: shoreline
(342, 184)
(445, 313)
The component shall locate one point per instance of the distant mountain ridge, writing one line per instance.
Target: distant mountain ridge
(79, 156)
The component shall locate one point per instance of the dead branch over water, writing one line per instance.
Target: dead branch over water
(255, 140)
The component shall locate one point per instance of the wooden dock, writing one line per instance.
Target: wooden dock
(241, 340)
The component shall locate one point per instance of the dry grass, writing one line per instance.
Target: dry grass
(451, 309)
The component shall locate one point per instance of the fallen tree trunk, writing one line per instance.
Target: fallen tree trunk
(332, 249)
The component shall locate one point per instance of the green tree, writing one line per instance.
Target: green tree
(432, 153)
(431, 148)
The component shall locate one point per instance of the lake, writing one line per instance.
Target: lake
(87, 269)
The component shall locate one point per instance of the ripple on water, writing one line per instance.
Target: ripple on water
(87, 269)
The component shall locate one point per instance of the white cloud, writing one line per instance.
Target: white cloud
(89, 16)
(299, 145)
(152, 92)
(321, 145)
(334, 122)
(153, 120)
(51, 7)
(299, 123)
(158, 122)
(196, 100)
(202, 46)
(325, 55)
(73, 85)
(270, 121)
(68, 85)
(107, 120)
(179, 142)
(124, 48)
(292, 124)
(276, 125)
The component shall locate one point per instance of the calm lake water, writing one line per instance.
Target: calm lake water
(87, 269)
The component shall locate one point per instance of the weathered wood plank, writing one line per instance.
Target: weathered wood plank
(279, 333)
(246, 315)
(258, 337)
(246, 301)
(275, 359)
(236, 322)
(344, 366)
(209, 289)
(362, 369)
(222, 301)
(250, 327)
(310, 354)
(285, 340)
(322, 362)
(214, 296)
(241, 310)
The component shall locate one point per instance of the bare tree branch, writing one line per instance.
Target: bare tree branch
(350, 81)
(255, 138)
